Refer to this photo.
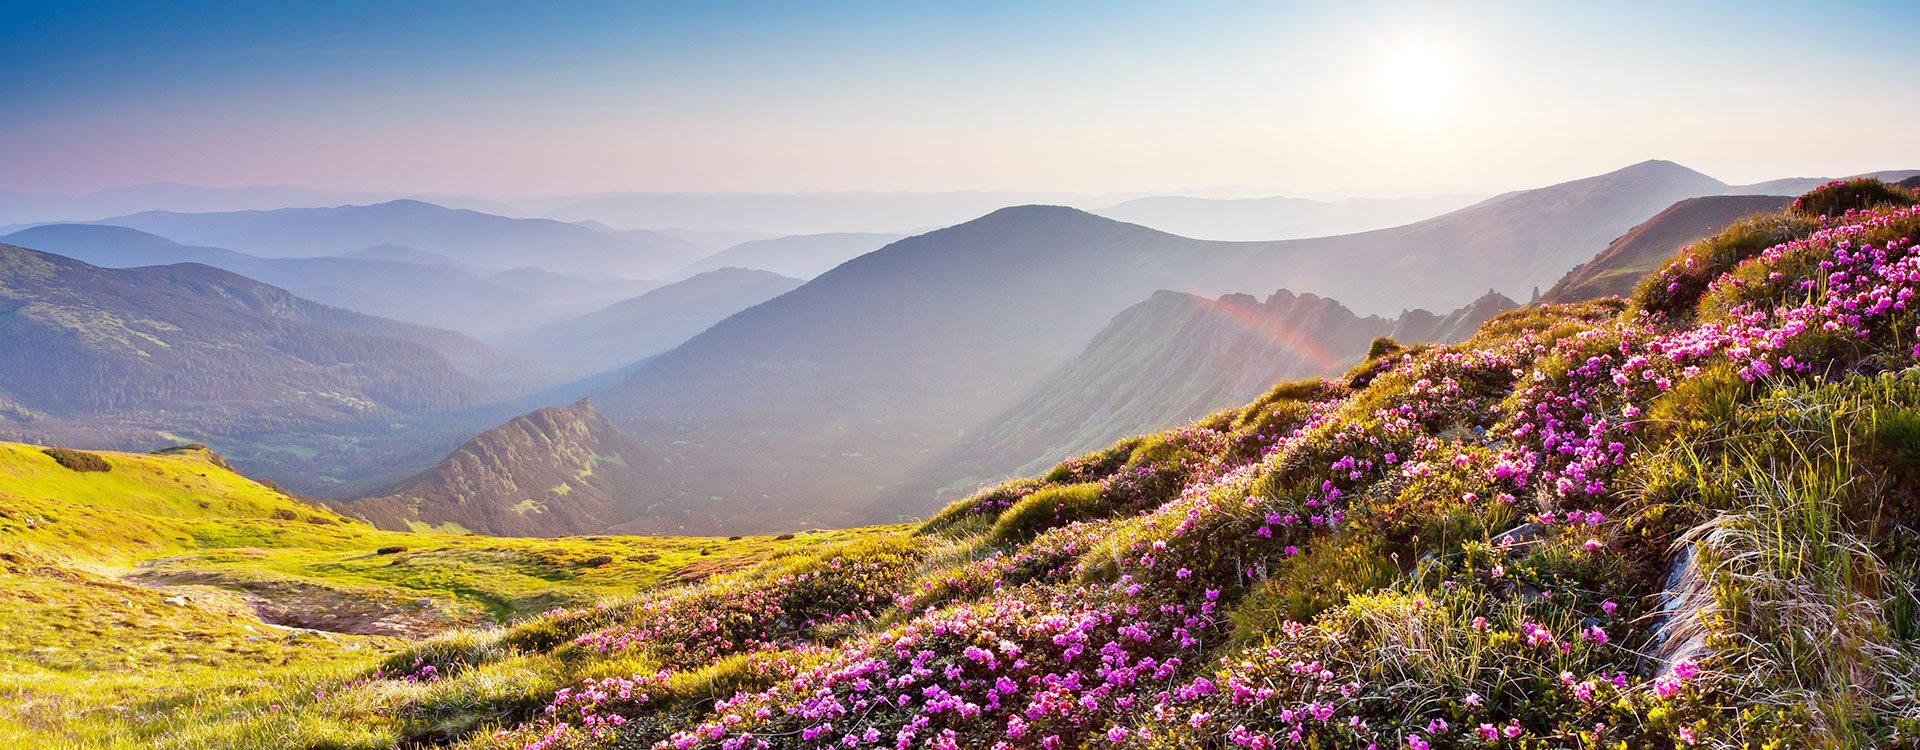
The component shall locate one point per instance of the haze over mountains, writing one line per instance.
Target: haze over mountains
(1273, 218)
(470, 237)
(25, 208)
(632, 330)
(388, 281)
(801, 256)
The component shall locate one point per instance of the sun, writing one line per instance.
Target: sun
(1416, 82)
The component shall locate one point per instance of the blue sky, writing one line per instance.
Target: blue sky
(519, 98)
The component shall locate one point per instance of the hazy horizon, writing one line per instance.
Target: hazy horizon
(1119, 98)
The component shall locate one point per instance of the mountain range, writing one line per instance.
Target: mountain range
(387, 280)
(470, 237)
(859, 395)
(192, 347)
(818, 403)
(1277, 217)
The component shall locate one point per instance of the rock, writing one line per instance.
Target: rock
(1522, 534)
(1679, 631)
(178, 601)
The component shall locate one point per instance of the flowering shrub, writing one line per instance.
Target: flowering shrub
(1838, 197)
(985, 505)
(773, 608)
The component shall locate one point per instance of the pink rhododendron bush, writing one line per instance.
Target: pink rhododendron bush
(1682, 519)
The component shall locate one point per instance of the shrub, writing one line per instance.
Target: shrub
(1676, 288)
(1092, 466)
(392, 550)
(444, 655)
(985, 504)
(78, 460)
(1047, 508)
(1840, 196)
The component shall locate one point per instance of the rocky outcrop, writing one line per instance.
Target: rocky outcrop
(553, 472)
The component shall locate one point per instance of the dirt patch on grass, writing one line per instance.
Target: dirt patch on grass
(297, 604)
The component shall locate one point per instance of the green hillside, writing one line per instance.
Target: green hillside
(146, 593)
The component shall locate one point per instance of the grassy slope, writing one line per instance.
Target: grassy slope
(91, 653)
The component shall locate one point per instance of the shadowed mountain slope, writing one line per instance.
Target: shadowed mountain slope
(1177, 357)
(629, 331)
(1638, 252)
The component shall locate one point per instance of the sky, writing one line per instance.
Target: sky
(1107, 96)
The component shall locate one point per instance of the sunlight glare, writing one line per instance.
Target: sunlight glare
(1416, 82)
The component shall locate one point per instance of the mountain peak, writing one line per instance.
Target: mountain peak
(1663, 169)
(1038, 215)
(413, 205)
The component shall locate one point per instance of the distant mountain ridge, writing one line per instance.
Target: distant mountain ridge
(471, 237)
(631, 330)
(1272, 218)
(799, 256)
(387, 281)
